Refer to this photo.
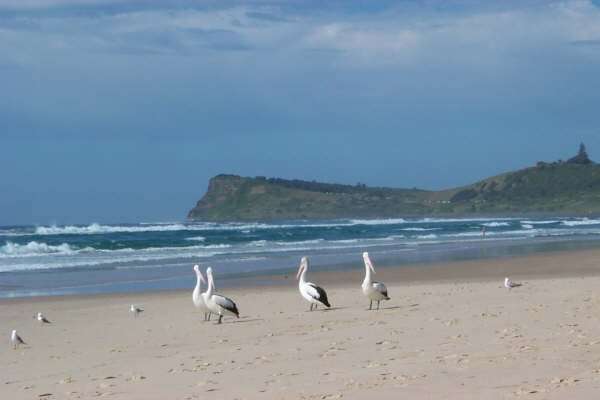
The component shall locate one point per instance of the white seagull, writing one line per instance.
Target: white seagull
(43, 320)
(135, 310)
(216, 303)
(16, 340)
(198, 297)
(375, 291)
(311, 292)
(509, 284)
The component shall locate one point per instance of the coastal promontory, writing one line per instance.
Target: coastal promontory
(561, 187)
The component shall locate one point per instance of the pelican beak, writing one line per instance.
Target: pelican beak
(202, 278)
(299, 272)
(368, 262)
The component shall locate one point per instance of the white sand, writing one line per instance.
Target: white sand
(433, 340)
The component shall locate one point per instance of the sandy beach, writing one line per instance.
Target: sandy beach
(450, 331)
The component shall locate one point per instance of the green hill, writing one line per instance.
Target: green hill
(570, 187)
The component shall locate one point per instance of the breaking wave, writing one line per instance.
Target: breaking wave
(10, 249)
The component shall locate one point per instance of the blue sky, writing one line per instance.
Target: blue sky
(117, 110)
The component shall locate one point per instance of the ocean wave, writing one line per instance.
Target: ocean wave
(430, 236)
(196, 238)
(386, 221)
(495, 224)
(581, 222)
(527, 226)
(95, 229)
(417, 229)
(444, 220)
(528, 222)
(31, 249)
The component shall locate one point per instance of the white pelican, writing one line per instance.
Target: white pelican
(198, 297)
(16, 340)
(40, 317)
(375, 291)
(135, 310)
(216, 303)
(311, 292)
(509, 284)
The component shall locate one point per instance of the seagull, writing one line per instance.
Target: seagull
(510, 284)
(197, 297)
(16, 340)
(216, 303)
(40, 317)
(135, 310)
(311, 292)
(375, 291)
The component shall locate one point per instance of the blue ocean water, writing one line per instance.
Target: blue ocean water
(74, 259)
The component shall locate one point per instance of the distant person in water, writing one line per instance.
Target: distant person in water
(483, 232)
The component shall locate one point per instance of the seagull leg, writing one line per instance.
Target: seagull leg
(220, 319)
(371, 305)
(209, 315)
(378, 301)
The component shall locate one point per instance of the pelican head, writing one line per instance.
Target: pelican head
(303, 266)
(368, 262)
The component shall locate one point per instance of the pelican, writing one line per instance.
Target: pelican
(135, 310)
(43, 320)
(509, 284)
(311, 292)
(375, 291)
(197, 297)
(16, 340)
(216, 303)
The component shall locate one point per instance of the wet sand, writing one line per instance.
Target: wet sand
(450, 331)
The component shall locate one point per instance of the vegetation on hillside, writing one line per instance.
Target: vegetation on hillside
(569, 187)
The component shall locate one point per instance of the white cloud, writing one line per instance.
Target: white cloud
(388, 37)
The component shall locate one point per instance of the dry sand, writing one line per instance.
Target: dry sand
(450, 332)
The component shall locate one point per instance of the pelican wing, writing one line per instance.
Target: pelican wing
(226, 303)
(317, 293)
(380, 287)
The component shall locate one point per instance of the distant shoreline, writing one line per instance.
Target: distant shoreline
(471, 264)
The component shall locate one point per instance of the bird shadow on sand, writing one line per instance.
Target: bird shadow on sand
(326, 309)
(243, 320)
(386, 308)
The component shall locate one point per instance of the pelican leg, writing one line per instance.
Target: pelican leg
(311, 306)
(371, 305)
(209, 315)
(220, 319)
(378, 301)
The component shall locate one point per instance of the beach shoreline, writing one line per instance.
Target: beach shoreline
(547, 264)
(449, 331)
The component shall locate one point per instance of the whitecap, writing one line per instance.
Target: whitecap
(10, 249)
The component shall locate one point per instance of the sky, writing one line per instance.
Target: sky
(121, 110)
